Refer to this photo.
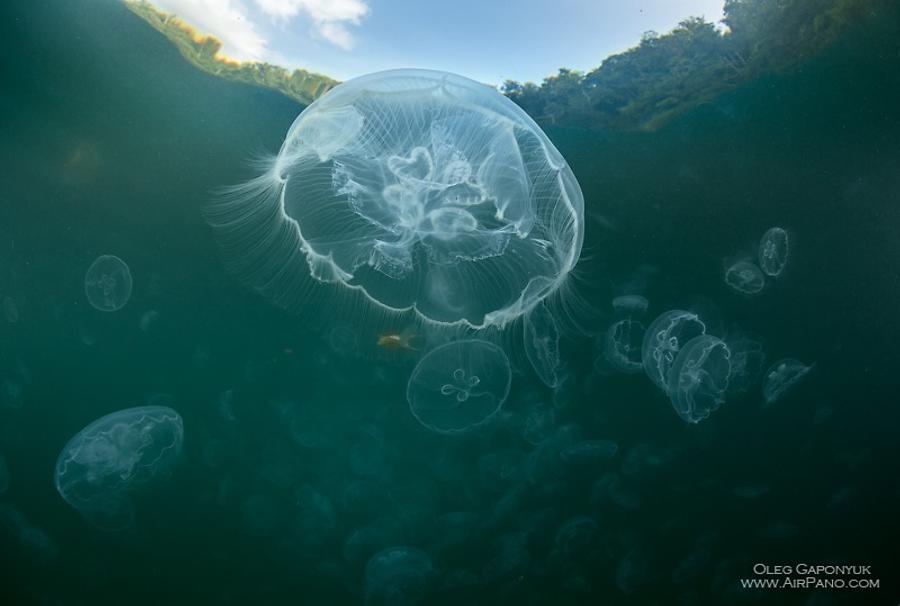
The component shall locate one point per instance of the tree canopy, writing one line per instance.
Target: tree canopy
(665, 75)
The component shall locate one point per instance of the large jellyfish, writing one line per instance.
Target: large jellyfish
(99, 469)
(422, 191)
(459, 385)
(699, 377)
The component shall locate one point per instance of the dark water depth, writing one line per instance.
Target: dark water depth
(111, 143)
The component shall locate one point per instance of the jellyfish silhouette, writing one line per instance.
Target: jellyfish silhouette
(420, 191)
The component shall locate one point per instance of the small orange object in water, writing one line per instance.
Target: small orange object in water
(398, 341)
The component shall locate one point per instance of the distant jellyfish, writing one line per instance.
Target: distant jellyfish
(781, 377)
(698, 380)
(634, 571)
(422, 192)
(343, 341)
(542, 344)
(511, 559)
(107, 283)
(630, 306)
(10, 310)
(747, 360)
(11, 394)
(459, 385)
(664, 339)
(102, 466)
(622, 346)
(398, 576)
(773, 251)
(34, 543)
(149, 320)
(316, 520)
(540, 422)
(575, 537)
(745, 277)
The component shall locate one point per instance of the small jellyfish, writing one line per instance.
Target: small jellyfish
(745, 277)
(698, 379)
(398, 576)
(149, 320)
(103, 464)
(773, 251)
(10, 310)
(540, 422)
(459, 385)
(783, 375)
(512, 558)
(343, 342)
(622, 346)
(107, 283)
(663, 340)
(630, 306)
(634, 571)
(747, 359)
(542, 344)
(316, 520)
(11, 394)
(575, 537)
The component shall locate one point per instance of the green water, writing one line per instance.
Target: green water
(112, 144)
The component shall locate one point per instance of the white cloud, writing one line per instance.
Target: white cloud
(328, 16)
(227, 20)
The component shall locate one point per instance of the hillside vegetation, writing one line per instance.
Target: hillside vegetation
(203, 52)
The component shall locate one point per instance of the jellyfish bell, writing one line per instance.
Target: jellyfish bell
(542, 345)
(663, 340)
(101, 467)
(630, 306)
(745, 277)
(459, 385)
(621, 346)
(698, 380)
(108, 283)
(774, 249)
(422, 192)
(782, 376)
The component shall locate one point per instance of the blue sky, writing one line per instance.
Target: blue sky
(488, 40)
